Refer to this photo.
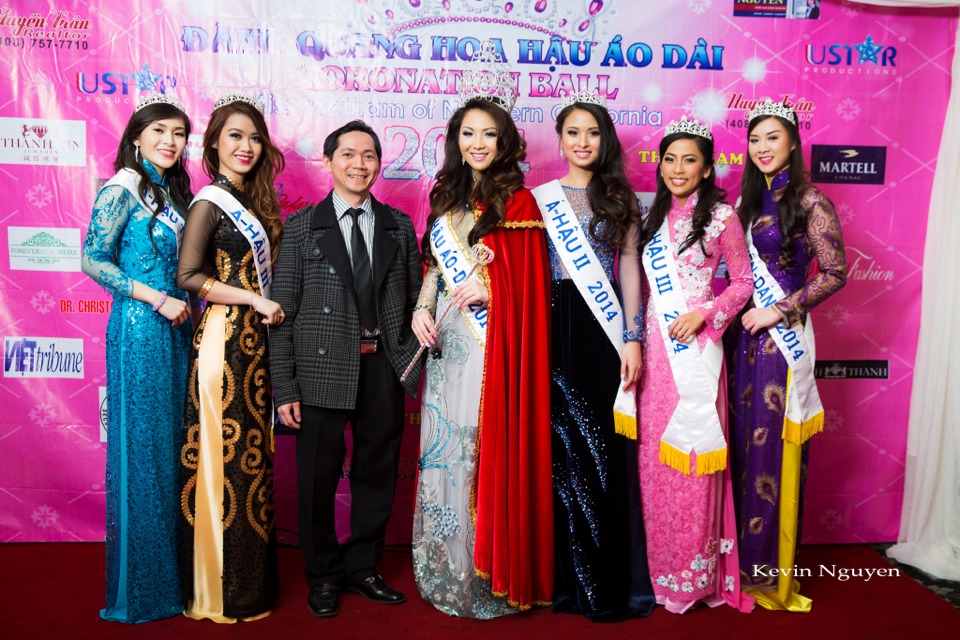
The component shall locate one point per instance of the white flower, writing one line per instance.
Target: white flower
(728, 583)
(726, 545)
(698, 563)
(687, 587)
(702, 581)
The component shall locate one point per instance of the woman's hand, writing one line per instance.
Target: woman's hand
(470, 292)
(756, 319)
(270, 310)
(174, 310)
(631, 364)
(686, 326)
(424, 328)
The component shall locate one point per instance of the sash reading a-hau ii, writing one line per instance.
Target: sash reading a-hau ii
(455, 262)
(694, 425)
(584, 268)
(249, 226)
(803, 416)
(130, 180)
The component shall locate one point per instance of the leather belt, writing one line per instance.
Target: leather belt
(369, 345)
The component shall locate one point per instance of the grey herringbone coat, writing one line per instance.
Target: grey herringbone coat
(315, 353)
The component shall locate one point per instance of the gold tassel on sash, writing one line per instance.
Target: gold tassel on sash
(799, 433)
(625, 425)
(711, 462)
(674, 458)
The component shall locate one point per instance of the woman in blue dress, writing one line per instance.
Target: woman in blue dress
(131, 250)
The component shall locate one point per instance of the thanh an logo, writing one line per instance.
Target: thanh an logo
(43, 141)
(866, 58)
(848, 369)
(25, 357)
(44, 249)
(847, 164)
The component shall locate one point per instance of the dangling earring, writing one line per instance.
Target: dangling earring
(463, 160)
(136, 153)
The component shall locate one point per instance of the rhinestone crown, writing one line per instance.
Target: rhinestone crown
(688, 126)
(771, 108)
(487, 76)
(159, 98)
(255, 101)
(589, 97)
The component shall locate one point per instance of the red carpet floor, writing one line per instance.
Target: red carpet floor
(56, 590)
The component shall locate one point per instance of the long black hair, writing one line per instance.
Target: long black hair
(710, 196)
(176, 176)
(610, 196)
(792, 215)
(455, 186)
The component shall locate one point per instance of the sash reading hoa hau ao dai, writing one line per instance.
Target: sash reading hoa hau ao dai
(249, 226)
(455, 262)
(803, 416)
(130, 180)
(694, 425)
(584, 268)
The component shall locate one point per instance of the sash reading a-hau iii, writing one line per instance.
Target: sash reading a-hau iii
(130, 180)
(694, 425)
(455, 262)
(584, 268)
(249, 226)
(803, 416)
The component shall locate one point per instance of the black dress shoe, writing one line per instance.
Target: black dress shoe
(376, 589)
(324, 600)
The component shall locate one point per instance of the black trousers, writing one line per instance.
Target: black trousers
(377, 427)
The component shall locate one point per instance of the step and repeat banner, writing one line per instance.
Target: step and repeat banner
(870, 87)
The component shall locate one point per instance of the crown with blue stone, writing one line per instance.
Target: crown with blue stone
(255, 101)
(588, 97)
(159, 98)
(692, 127)
(487, 77)
(771, 108)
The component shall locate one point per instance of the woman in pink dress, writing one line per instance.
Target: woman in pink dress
(687, 497)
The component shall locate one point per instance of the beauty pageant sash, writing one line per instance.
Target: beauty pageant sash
(694, 425)
(803, 416)
(130, 180)
(588, 276)
(249, 226)
(455, 262)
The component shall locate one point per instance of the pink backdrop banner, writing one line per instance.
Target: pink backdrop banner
(870, 86)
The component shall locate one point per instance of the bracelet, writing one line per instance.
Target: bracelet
(163, 298)
(205, 289)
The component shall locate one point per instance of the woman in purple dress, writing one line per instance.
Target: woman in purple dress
(774, 407)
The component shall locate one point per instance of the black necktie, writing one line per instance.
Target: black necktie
(362, 277)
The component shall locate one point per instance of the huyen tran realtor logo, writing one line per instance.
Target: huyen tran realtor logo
(43, 249)
(43, 141)
(30, 357)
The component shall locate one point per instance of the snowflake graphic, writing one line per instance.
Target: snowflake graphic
(754, 70)
(39, 195)
(708, 106)
(42, 414)
(44, 517)
(848, 109)
(849, 9)
(42, 302)
(831, 519)
(838, 315)
(845, 213)
(699, 6)
(833, 420)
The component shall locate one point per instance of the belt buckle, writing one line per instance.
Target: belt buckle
(368, 345)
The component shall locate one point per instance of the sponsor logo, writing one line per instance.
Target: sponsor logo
(59, 25)
(102, 391)
(760, 8)
(652, 156)
(42, 357)
(44, 249)
(850, 369)
(742, 106)
(866, 268)
(847, 164)
(116, 87)
(86, 306)
(42, 141)
(866, 58)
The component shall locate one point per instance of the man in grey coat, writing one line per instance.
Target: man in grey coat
(347, 278)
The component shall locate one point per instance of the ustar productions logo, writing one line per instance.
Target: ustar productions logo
(27, 357)
(43, 141)
(44, 249)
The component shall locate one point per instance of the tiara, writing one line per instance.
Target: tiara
(255, 101)
(589, 97)
(771, 108)
(688, 126)
(159, 98)
(487, 77)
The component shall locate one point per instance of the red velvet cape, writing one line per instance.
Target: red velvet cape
(513, 485)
